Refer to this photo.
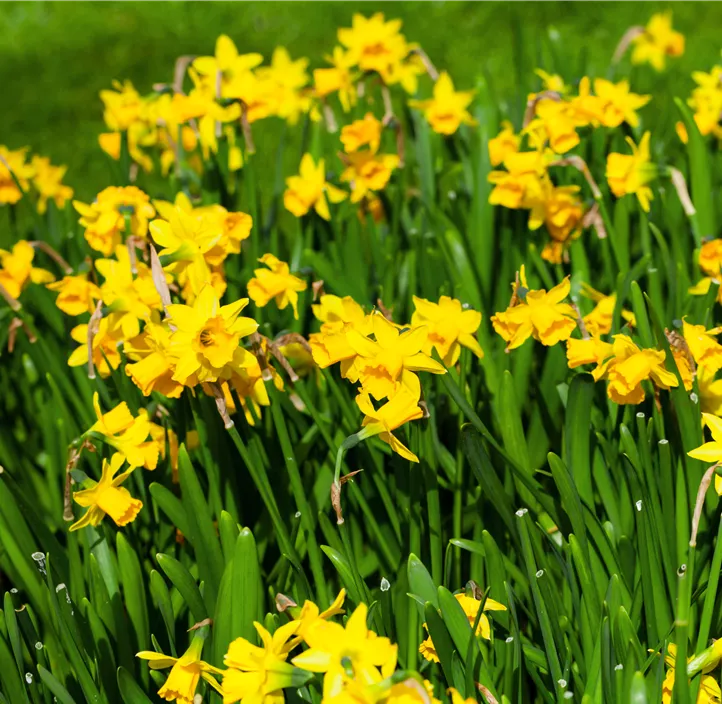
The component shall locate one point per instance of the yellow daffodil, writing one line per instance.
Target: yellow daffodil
(447, 110)
(520, 186)
(275, 282)
(310, 190)
(122, 105)
(471, 607)
(151, 367)
(555, 123)
(592, 350)
(561, 210)
(618, 104)
(449, 326)
(128, 435)
(599, 321)
(107, 339)
(190, 244)
(683, 361)
(337, 79)
(710, 257)
(47, 179)
(186, 672)
(362, 133)
(710, 392)
(310, 615)
(402, 408)
(107, 497)
(505, 143)
(706, 102)
(629, 367)
(205, 343)
(391, 359)
(374, 44)
(657, 42)
(353, 652)
(167, 441)
(552, 81)
(227, 67)
(710, 452)
(709, 689)
(76, 294)
(258, 675)
(338, 316)
(285, 80)
(17, 270)
(129, 297)
(539, 314)
(705, 349)
(12, 164)
(104, 219)
(456, 698)
(632, 173)
(368, 172)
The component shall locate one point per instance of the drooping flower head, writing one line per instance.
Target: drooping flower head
(447, 110)
(17, 270)
(311, 190)
(632, 173)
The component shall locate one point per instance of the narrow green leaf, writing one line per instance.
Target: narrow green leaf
(185, 584)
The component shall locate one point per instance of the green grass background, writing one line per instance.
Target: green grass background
(55, 57)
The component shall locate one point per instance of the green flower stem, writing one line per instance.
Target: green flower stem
(681, 624)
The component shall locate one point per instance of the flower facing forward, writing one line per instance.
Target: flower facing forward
(353, 652)
(368, 172)
(311, 190)
(632, 173)
(106, 340)
(107, 497)
(186, 672)
(227, 67)
(709, 689)
(205, 344)
(17, 270)
(507, 142)
(657, 42)
(76, 294)
(337, 79)
(258, 675)
(275, 282)
(47, 179)
(392, 358)
(617, 103)
(105, 221)
(127, 434)
(449, 327)
(536, 313)
(471, 607)
(629, 367)
(402, 408)
(447, 110)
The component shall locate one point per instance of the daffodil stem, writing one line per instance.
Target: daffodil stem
(681, 626)
(314, 552)
(260, 479)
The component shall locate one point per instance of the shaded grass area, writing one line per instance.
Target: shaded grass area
(56, 57)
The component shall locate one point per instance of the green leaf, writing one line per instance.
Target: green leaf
(57, 690)
(161, 597)
(246, 590)
(183, 581)
(420, 582)
(133, 581)
(129, 688)
(577, 424)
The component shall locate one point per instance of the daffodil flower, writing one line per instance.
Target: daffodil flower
(47, 180)
(258, 675)
(275, 282)
(127, 434)
(448, 327)
(205, 344)
(471, 607)
(337, 79)
(392, 358)
(227, 64)
(361, 133)
(702, 343)
(350, 653)
(151, 367)
(628, 174)
(106, 341)
(76, 294)
(402, 408)
(186, 672)
(22, 171)
(540, 314)
(447, 110)
(17, 270)
(311, 190)
(657, 42)
(368, 172)
(107, 497)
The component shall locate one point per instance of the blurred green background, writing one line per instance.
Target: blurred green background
(55, 57)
